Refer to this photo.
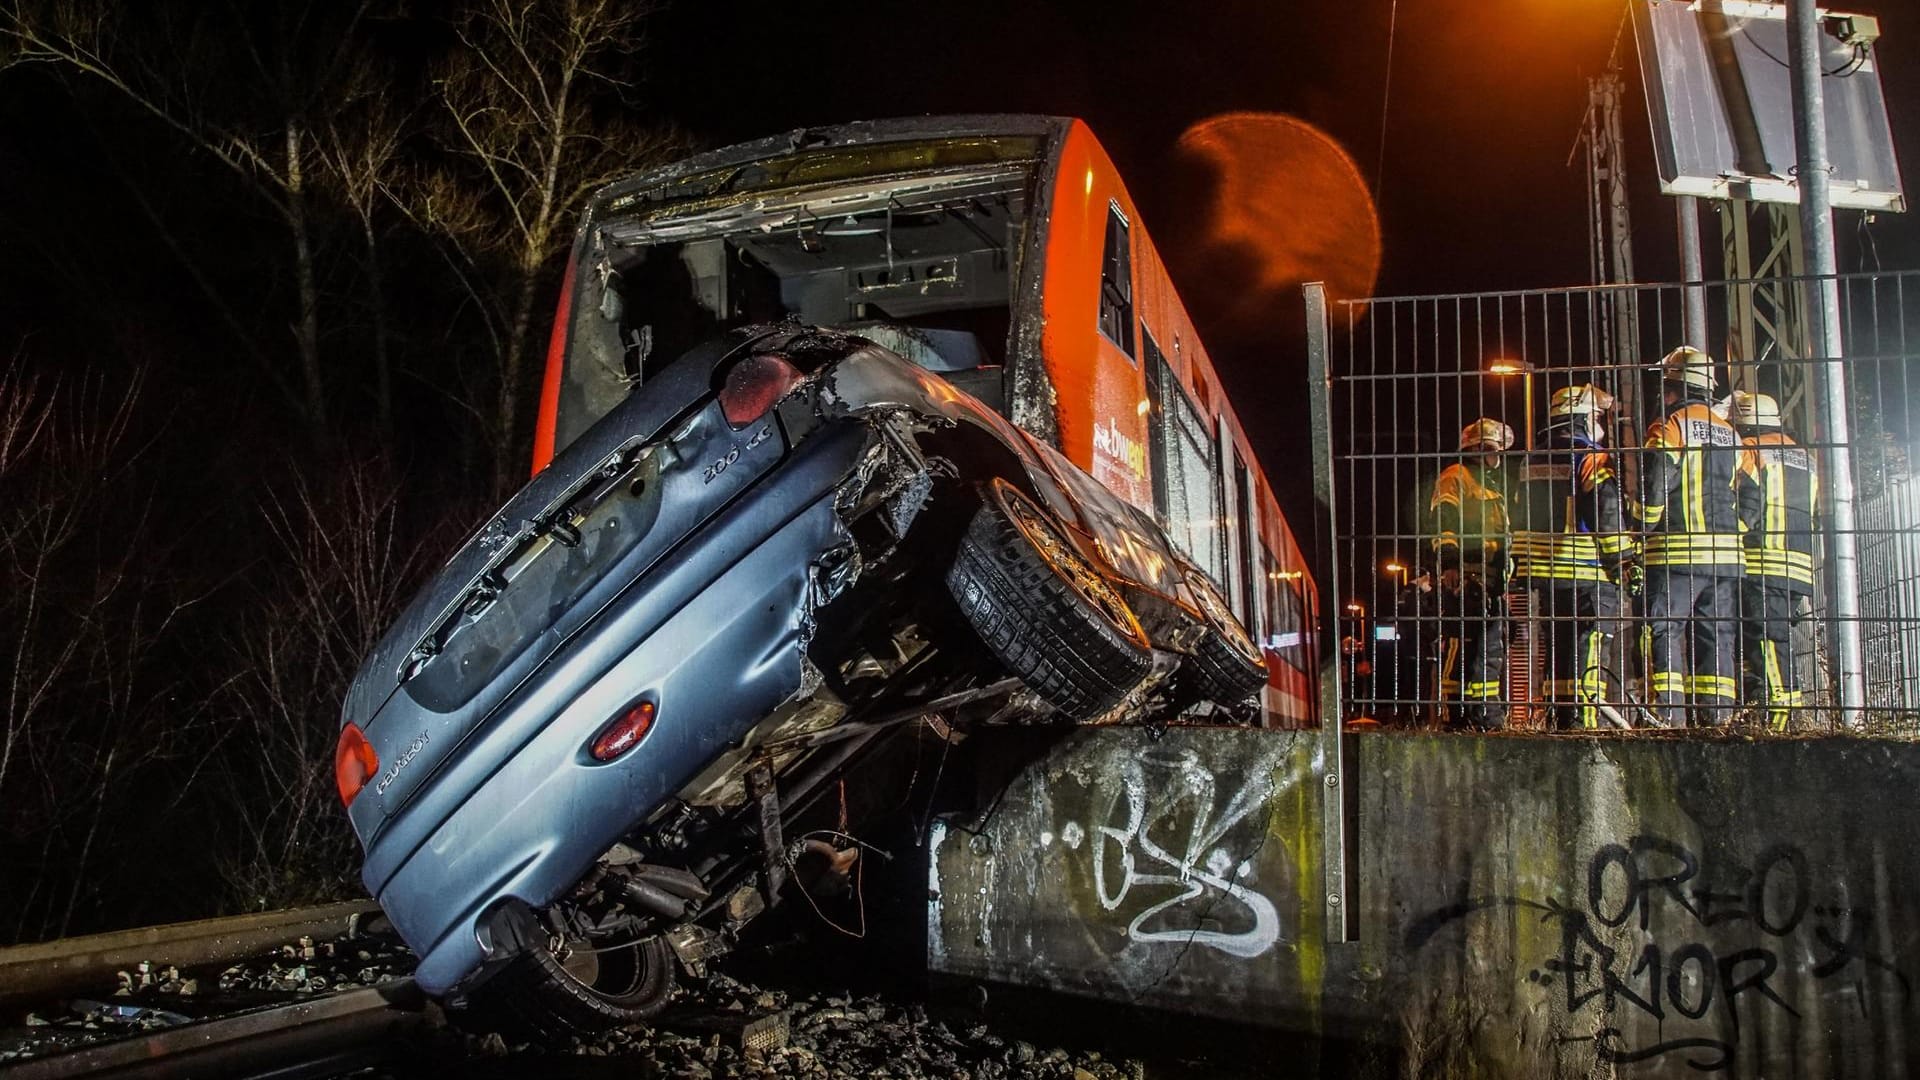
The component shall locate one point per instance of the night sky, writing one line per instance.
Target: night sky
(1485, 105)
(1476, 189)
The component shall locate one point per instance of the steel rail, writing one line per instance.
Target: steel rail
(81, 963)
(322, 1035)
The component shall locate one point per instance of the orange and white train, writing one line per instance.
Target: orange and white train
(1003, 252)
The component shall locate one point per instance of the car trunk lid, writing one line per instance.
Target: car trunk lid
(608, 508)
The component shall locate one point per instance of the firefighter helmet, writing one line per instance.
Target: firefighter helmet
(1486, 434)
(1689, 366)
(1754, 410)
(1583, 400)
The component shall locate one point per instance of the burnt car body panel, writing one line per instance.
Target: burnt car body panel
(1106, 530)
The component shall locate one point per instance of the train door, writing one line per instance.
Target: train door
(1186, 485)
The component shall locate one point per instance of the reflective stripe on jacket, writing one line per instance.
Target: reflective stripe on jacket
(1567, 519)
(1778, 487)
(1470, 516)
(1687, 500)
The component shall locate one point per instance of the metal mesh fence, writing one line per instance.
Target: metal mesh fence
(1538, 525)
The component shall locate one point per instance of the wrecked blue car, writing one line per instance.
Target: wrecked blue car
(576, 759)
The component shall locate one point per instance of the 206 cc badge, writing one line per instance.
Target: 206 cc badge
(721, 464)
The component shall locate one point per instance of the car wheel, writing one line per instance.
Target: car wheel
(1043, 611)
(1227, 666)
(571, 991)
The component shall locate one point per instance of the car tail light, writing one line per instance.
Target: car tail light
(354, 763)
(755, 385)
(624, 733)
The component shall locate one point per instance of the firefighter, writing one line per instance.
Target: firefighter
(1692, 552)
(1569, 544)
(1470, 544)
(1403, 671)
(1777, 487)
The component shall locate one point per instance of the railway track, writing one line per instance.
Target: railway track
(265, 1014)
(243, 1021)
(81, 963)
(327, 1034)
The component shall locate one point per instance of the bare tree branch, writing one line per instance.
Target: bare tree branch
(257, 126)
(360, 148)
(528, 106)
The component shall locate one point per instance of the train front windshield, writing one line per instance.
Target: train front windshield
(903, 244)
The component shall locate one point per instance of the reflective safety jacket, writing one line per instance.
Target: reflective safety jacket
(1470, 517)
(1777, 488)
(1567, 517)
(1687, 501)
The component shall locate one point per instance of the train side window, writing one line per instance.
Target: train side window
(1116, 282)
(1285, 631)
(1157, 430)
(1244, 510)
(1186, 485)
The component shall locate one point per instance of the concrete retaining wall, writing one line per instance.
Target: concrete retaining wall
(1527, 906)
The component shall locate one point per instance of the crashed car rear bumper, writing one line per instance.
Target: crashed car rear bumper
(716, 638)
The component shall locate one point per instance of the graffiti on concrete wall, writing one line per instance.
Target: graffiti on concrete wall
(1693, 947)
(1177, 853)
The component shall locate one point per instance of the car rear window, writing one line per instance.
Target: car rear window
(533, 588)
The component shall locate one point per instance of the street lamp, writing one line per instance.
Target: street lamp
(1397, 568)
(1525, 371)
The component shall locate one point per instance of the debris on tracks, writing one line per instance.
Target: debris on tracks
(307, 968)
(150, 996)
(827, 1035)
(80, 1022)
(719, 1029)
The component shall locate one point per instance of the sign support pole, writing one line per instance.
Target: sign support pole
(1816, 226)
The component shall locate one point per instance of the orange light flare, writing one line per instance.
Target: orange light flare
(1282, 203)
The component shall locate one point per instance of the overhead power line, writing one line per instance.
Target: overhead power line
(1386, 93)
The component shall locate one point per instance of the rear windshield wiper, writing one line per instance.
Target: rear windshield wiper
(558, 525)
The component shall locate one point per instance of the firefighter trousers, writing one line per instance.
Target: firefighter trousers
(1577, 621)
(1402, 675)
(1691, 636)
(1473, 653)
(1768, 612)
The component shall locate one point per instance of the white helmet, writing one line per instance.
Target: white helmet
(1754, 410)
(1690, 366)
(1583, 400)
(1486, 434)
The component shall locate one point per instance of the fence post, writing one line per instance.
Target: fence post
(1816, 223)
(1332, 693)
